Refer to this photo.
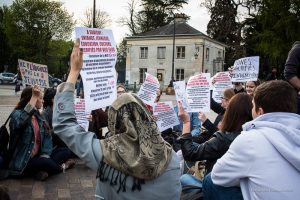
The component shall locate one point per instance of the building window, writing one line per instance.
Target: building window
(219, 54)
(142, 74)
(179, 74)
(180, 52)
(161, 52)
(144, 52)
(207, 54)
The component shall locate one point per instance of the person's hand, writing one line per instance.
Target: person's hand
(183, 115)
(36, 91)
(76, 62)
(76, 59)
(202, 117)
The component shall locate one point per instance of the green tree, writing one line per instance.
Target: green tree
(4, 48)
(153, 14)
(278, 27)
(228, 24)
(32, 24)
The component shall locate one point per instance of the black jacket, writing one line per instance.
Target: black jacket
(210, 150)
(217, 108)
(292, 64)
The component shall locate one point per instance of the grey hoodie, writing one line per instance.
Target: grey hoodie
(264, 160)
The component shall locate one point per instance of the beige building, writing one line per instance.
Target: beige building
(152, 52)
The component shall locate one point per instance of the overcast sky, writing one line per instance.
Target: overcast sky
(118, 8)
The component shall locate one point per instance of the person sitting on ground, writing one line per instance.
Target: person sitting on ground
(32, 139)
(237, 113)
(134, 162)
(251, 86)
(264, 159)
(66, 154)
(220, 110)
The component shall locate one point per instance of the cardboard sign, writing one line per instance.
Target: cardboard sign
(222, 81)
(33, 73)
(165, 114)
(198, 93)
(148, 90)
(245, 69)
(98, 72)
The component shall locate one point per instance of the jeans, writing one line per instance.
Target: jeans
(50, 165)
(188, 179)
(215, 192)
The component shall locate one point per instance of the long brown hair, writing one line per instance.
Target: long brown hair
(25, 97)
(237, 113)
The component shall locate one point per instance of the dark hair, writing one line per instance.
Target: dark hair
(228, 93)
(237, 113)
(48, 96)
(275, 96)
(25, 97)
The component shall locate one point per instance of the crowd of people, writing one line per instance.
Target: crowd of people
(250, 151)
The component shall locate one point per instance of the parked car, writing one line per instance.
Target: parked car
(6, 77)
(54, 82)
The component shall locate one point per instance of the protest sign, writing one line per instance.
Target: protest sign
(33, 73)
(179, 87)
(245, 69)
(222, 81)
(198, 94)
(81, 115)
(148, 90)
(165, 115)
(98, 72)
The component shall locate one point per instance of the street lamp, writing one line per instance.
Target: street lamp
(94, 14)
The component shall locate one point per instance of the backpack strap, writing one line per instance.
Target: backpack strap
(7, 119)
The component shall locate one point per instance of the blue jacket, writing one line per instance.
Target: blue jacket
(21, 131)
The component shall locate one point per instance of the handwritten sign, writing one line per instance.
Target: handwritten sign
(165, 114)
(33, 73)
(179, 87)
(81, 115)
(198, 94)
(98, 72)
(222, 81)
(245, 69)
(148, 90)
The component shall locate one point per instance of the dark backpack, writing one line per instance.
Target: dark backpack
(4, 137)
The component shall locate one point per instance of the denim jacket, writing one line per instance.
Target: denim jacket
(21, 131)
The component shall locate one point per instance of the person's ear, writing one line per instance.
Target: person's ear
(260, 111)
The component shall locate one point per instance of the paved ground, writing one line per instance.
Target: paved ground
(77, 183)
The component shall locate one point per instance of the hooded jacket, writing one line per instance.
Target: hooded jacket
(264, 160)
(88, 148)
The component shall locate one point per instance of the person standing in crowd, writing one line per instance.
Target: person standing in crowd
(18, 81)
(251, 86)
(237, 113)
(292, 69)
(31, 138)
(273, 75)
(264, 159)
(134, 162)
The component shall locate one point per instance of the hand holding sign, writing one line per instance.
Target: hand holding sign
(183, 115)
(76, 57)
